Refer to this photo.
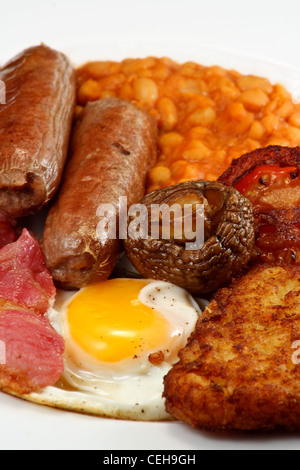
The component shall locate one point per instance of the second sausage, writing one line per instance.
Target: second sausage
(112, 149)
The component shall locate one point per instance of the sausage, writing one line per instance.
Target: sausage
(35, 128)
(112, 148)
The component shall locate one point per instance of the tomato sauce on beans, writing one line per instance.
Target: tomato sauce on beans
(207, 116)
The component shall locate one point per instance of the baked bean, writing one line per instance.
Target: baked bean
(203, 117)
(257, 130)
(198, 132)
(145, 90)
(253, 144)
(194, 172)
(254, 100)
(168, 114)
(185, 180)
(215, 70)
(219, 155)
(230, 91)
(196, 151)
(188, 69)
(159, 175)
(135, 66)
(293, 134)
(160, 72)
(249, 82)
(197, 102)
(294, 119)
(189, 85)
(270, 123)
(272, 106)
(172, 139)
(207, 116)
(279, 141)
(240, 120)
(126, 92)
(285, 110)
(178, 169)
(281, 93)
(236, 111)
(102, 69)
(89, 91)
(244, 125)
(111, 82)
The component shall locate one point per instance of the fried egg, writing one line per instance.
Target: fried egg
(121, 337)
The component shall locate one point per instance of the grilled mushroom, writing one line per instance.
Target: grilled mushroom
(227, 229)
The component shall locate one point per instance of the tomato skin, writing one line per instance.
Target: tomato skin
(266, 187)
(267, 230)
(257, 177)
(270, 179)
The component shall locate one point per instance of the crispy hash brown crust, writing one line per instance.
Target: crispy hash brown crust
(237, 371)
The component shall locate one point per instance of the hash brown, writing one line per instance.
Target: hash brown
(236, 372)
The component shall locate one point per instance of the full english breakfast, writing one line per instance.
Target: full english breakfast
(201, 327)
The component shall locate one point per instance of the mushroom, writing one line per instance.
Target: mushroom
(227, 228)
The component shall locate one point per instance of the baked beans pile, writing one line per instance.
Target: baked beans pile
(207, 116)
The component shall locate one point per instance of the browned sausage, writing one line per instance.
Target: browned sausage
(35, 128)
(112, 149)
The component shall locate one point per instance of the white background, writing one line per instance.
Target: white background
(258, 28)
(267, 28)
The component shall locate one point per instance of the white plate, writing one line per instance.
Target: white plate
(24, 425)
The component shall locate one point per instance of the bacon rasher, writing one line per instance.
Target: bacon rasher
(24, 279)
(31, 348)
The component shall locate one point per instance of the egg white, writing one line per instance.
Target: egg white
(132, 388)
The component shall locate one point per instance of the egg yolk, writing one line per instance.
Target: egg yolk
(109, 322)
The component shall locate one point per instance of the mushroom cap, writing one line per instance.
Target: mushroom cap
(226, 249)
